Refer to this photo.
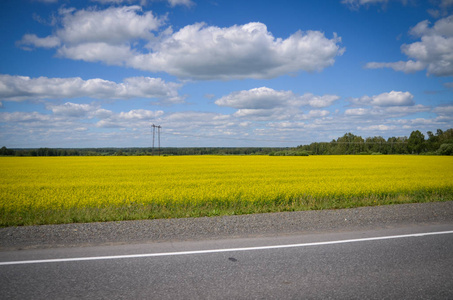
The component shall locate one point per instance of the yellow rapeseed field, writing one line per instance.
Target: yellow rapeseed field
(34, 190)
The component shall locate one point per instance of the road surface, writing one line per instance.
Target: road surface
(405, 260)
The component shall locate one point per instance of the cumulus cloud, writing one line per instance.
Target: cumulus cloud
(267, 98)
(94, 52)
(263, 114)
(377, 112)
(73, 110)
(77, 125)
(320, 101)
(357, 112)
(113, 25)
(257, 98)
(132, 118)
(317, 113)
(393, 98)
(98, 126)
(266, 104)
(98, 35)
(19, 88)
(195, 51)
(432, 52)
(240, 51)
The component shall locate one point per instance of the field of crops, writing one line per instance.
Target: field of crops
(43, 190)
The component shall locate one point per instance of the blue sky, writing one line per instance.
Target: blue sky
(99, 73)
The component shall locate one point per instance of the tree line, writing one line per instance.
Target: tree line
(135, 151)
(439, 143)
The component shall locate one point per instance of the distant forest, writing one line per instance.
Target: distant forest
(439, 143)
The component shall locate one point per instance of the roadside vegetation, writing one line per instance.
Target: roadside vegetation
(52, 190)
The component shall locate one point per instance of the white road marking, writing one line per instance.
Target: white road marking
(222, 250)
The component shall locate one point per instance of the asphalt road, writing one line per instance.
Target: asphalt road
(387, 259)
(398, 265)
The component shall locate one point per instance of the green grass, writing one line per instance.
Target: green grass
(208, 209)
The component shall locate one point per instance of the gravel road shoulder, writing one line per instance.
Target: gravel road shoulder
(125, 232)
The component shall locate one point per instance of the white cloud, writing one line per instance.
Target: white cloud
(409, 66)
(99, 35)
(399, 111)
(320, 101)
(88, 125)
(19, 88)
(266, 104)
(377, 127)
(245, 51)
(263, 114)
(188, 118)
(139, 114)
(113, 25)
(393, 98)
(379, 113)
(15, 117)
(72, 110)
(318, 113)
(257, 98)
(195, 51)
(140, 118)
(357, 112)
(97, 52)
(267, 98)
(106, 118)
(132, 118)
(444, 110)
(74, 125)
(433, 51)
(32, 39)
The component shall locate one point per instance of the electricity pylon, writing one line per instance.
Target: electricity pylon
(158, 136)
